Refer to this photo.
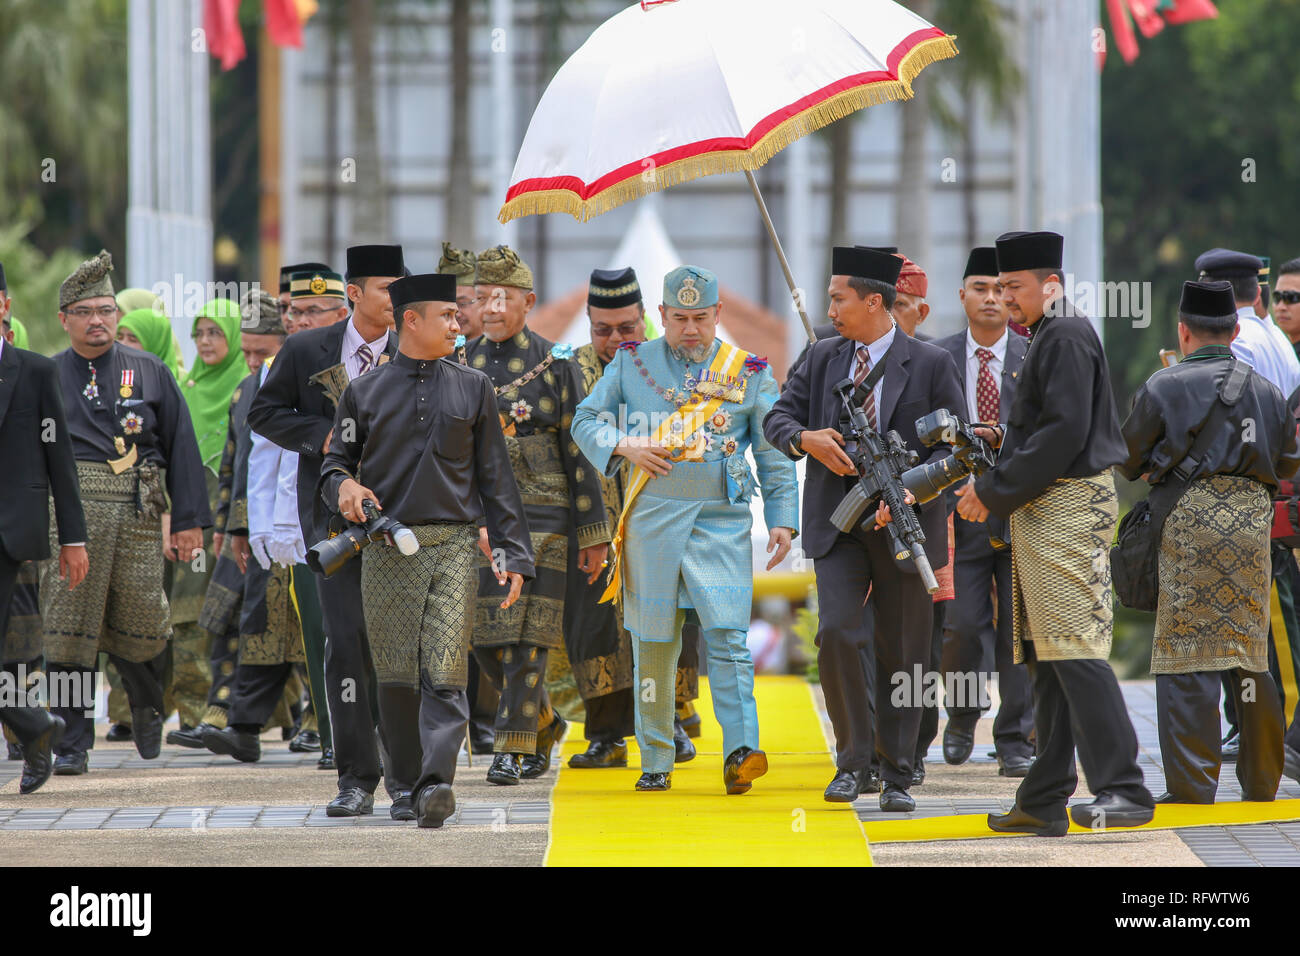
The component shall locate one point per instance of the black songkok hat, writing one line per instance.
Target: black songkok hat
(1029, 250)
(863, 263)
(365, 261)
(430, 287)
(982, 261)
(888, 250)
(1229, 264)
(286, 272)
(613, 288)
(1209, 304)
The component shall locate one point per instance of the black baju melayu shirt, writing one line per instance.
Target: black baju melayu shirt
(426, 439)
(135, 397)
(1063, 422)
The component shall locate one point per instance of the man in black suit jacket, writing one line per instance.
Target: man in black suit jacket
(917, 379)
(295, 408)
(978, 566)
(36, 444)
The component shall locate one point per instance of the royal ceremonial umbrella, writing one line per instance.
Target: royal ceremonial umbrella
(670, 90)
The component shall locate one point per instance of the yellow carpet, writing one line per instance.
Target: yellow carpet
(598, 819)
(969, 826)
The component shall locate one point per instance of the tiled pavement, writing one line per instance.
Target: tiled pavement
(1267, 844)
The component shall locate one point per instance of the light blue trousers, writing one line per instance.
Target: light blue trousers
(731, 682)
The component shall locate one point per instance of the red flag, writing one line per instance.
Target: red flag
(221, 26)
(1185, 11)
(282, 23)
(1123, 30)
(1148, 21)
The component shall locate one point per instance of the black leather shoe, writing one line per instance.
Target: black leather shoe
(305, 742)
(352, 802)
(958, 742)
(741, 768)
(118, 733)
(685, 750)
(918, 772)
(326, 761)
(71, 765)
(244, 747)
(1017, 821)
(1166, 797)
(146, 731)
(845, 787)
(869, 781)
(403, 807)
(434, 805)
(655, 781)
(38, 763)
(601, 753)
(15, 752)
(504, 770)
(481, 738)
(533, 766)
(1014, 765)
(1291, 762)
(1111, 810)
(894, 799)
(191, 737)
(1231, 747)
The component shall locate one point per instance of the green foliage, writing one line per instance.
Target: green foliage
(34, 280)
(805, 628)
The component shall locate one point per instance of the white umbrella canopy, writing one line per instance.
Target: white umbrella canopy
(665, 92)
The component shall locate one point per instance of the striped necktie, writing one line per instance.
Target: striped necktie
(864, 367)
(367, 358)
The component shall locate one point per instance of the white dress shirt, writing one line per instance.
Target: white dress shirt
(352, 341)
(1266, 349)
(263, 472)
(996, 365)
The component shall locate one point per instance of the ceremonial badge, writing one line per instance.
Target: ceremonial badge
(91, 391)
(132, 424)
(688, 295)
(317, 285)
(521, 411)
(128, 382)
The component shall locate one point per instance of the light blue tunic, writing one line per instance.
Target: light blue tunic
(687, 539)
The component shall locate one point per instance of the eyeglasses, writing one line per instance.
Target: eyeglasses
(85, 312)
(626, 331)
(200, 334)
(1289, 296)
(312, 312)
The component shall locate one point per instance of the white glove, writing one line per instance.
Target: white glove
(257, 543)
(287, 547)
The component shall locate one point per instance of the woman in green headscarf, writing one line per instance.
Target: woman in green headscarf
(149, 331)
(20, 333)
(217, 372)
(128, 300)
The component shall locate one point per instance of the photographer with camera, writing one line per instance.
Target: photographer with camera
(916, 378)
(419, 439)
(1053, 480)
(988, 359)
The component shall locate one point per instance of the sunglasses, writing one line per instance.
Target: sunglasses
(1289, 296)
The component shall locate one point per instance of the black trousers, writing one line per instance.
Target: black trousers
(483, 699)
(610, 717)
(901, 643)
(930, 713)
(142, 681)
(1079, 704)
(978, 568)
(349, 679)
(424, 732)
(223, 664)
(518, 673)
(258, 688)
(1187, 712)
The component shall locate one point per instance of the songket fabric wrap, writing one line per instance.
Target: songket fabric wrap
(537, 618)
(418, 608)
(225, 592)
(189, 585)
(120, 607)
(1215, 572)
(269, 632)
(21, 640)
(1060, 570)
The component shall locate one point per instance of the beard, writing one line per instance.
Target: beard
(696, 354)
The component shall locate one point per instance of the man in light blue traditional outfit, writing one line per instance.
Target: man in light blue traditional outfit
(682, 409)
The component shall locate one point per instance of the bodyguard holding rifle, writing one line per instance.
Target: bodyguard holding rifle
(917, 378)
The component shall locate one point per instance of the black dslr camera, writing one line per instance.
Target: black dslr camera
(329, 555)
(971, 455)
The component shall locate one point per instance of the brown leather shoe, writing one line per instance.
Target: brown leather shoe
(742, 767)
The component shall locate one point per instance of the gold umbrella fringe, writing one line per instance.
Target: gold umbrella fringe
(737, 160)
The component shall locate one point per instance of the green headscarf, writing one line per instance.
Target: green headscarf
(20, 333)
(208, 388)
(155, 335)
(128, 300)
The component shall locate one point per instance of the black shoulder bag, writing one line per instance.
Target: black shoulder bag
(1135, 557)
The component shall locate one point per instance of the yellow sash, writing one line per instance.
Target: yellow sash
(683, 423)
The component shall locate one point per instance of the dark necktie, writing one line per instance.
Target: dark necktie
(367, 358)
(864, 367)
(986, 389)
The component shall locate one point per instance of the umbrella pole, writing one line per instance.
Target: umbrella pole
(780, 254)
